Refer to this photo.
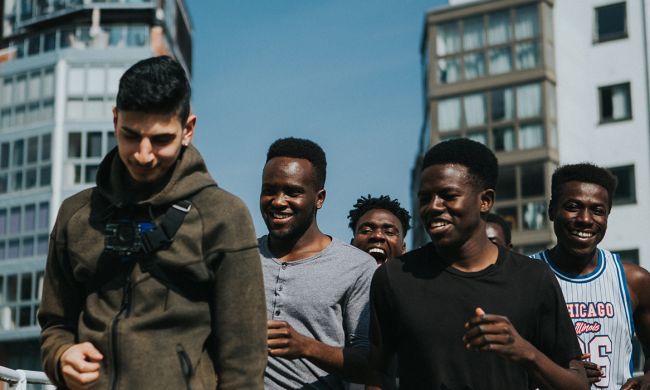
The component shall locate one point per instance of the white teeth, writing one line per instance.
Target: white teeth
(581, 234)
(376, 250)
(439, 224)
(280, 215)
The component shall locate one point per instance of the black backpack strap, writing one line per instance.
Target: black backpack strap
(163, 235)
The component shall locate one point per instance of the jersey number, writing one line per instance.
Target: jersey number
(599, 347)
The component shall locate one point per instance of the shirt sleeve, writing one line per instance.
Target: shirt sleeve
(383, 323)
(356, 313)
(556, 337)
(238, 304)
(58, 313)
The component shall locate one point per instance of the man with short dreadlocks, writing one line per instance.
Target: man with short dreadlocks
(379, 225)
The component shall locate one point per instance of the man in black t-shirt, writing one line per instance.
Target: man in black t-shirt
(429, 306)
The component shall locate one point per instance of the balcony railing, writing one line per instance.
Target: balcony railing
(18, 379)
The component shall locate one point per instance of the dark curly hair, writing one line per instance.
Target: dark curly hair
(479, 160)
(505, 226)
(384, 202)
(156, 85)
(584, 172)
(301, 148)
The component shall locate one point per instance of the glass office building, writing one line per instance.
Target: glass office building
(60, 63)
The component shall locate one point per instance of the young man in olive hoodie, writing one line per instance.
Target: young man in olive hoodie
(153, 278)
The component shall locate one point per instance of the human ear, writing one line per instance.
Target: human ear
(188, 130)
(551, 209)
(487, 200)
(320, 198)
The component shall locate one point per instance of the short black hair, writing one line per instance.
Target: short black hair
(505, 226)
(384, 202)
(156, 85)
(301, 148)
(481, 163)
(584, 172)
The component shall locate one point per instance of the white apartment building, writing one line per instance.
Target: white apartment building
(603, 107)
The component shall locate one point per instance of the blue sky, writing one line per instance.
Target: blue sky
(345, 74)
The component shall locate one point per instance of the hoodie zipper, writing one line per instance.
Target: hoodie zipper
(125, 308)
(186, 365)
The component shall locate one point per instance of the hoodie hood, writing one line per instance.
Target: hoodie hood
(188, 176)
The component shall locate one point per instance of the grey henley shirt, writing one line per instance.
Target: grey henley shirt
(325, 297)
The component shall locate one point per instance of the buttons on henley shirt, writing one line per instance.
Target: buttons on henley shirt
(279, 282)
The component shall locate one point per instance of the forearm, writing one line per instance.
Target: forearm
(349, 363)
(552, 376)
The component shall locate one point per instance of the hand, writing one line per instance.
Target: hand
(638, 383)
(594, 373)
(80, 365)
(284, 341)
(494, 333)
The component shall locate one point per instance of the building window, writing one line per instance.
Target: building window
(24, 231)
(521, 194)
(626, 188)
(85, 152)
(449, 114)
(504, 119)
(448, 39)
(19, 297)
(27, 98)
(629, 255)
(615, 103)
(24, 164)
(3, 222)
(4, 155)
(492, 43)
(474, 106)
(611, 22)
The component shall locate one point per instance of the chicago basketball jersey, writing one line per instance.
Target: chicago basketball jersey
(599, 306)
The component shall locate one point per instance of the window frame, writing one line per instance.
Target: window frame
(612, 36)
(632, 188)
(488, 48)
(626, 254)
(629, 116)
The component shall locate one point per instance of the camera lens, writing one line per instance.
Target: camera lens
(125, 234)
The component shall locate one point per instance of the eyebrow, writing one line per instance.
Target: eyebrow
(130, 130)
(381, 225)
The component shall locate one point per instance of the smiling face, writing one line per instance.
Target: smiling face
(579, 217)
(149, 144)
(379, 232)
(451, 205)
(289, 198)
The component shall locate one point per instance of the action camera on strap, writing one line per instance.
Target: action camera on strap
(126, 238)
